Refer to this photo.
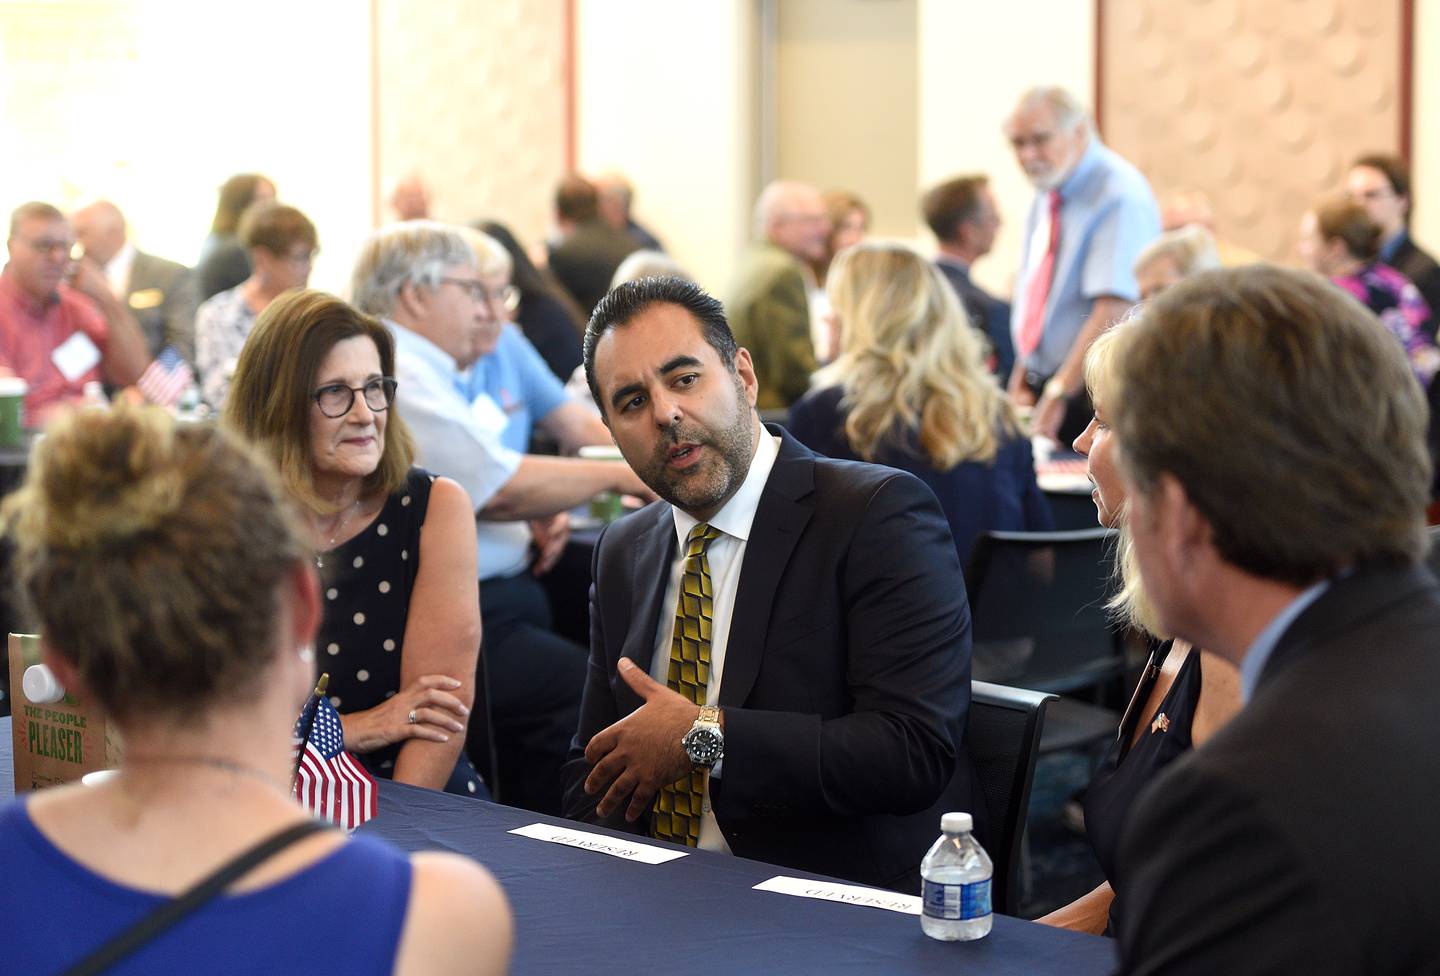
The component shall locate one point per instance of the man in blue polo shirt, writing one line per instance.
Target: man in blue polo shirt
(471, 388)
(1092, 216)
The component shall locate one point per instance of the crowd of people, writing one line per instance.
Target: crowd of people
(779, 648)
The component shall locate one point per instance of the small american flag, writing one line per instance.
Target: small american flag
(329, 782)
(166, 379)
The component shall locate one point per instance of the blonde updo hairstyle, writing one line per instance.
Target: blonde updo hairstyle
(152, 555)
(1131, 606)
(910, 360)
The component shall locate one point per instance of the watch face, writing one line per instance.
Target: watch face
(704, 746)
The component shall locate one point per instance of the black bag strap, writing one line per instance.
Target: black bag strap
(188, 901)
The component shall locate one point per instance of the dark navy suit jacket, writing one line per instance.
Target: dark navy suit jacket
(999, 496)
(847, 669)
(990, 315)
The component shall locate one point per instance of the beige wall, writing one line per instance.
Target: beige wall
(138, 101)
(147, 104)
(845, 102)
(1259, 108)
(1426, 159)
(471, 96)
(666, 95)
(975, 60)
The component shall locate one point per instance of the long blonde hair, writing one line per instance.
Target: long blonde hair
(1131, 606)
(910, 360)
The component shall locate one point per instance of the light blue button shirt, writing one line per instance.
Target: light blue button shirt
(513, 387)
(1107, 217)
(450, 438)
(1258, 654)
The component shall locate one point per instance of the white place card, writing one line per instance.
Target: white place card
(847, 894)
(76, 356)
(600, 843)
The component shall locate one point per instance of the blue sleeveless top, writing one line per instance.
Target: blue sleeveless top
(343, 914)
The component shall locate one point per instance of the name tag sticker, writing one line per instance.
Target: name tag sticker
(844, 893)
(488, 414)
(75, 357)
(599, 843)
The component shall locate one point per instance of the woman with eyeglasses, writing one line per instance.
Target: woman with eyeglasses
(394, 545)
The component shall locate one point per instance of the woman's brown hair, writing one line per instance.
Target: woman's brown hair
(1349, 223)
(271, 395)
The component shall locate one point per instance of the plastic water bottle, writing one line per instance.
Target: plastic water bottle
(956, 874)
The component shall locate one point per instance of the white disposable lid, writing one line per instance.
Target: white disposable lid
(956, 823)
(601, 452)
(13, 386)
(41, 686)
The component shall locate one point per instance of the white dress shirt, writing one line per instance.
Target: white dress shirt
(725, 556)
(452, 438)
(117, 272)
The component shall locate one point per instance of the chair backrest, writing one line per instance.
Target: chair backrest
(1003, 737)
(1037, 600)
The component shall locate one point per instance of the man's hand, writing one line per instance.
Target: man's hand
(1048, 415)
(89, 279)
(550, 535)
(641, 753)
(1019, 392)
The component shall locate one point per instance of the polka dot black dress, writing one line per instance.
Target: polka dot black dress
(366, 585)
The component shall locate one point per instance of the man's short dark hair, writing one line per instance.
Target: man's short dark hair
(950, 204)
(1396, 173)
(625, 302)
(576, 199)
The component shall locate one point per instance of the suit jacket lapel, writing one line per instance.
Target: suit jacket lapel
(780, 518)
(653, 553)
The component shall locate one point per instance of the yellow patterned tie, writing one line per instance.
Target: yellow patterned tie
(678, 807)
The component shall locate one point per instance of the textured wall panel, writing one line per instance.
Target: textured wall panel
(471, 96)
(1260, 103)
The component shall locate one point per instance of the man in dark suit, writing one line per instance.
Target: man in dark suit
(616, 198)
(1381, 184)
(962, 215)
(160, 293)
(589, 249)
(815, 609)
(1272, 438)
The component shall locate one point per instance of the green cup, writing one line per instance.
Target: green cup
(12, 410)
(605, 507)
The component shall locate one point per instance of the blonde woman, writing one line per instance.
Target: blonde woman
(909, 389)
(1184, 694)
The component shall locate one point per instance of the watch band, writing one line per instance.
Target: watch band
(709, 715)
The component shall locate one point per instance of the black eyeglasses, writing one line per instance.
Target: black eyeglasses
(336, 399)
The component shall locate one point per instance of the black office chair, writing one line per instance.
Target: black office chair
(1039, 621)
(1003, 739)
(480, 732)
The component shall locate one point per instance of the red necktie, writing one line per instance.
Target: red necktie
(1037, 291)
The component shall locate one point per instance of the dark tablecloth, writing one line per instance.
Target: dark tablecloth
(582, 912)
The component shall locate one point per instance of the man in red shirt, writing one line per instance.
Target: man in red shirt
(60, 325)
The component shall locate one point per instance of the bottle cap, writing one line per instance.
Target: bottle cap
(40, 685)
(956, 823)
